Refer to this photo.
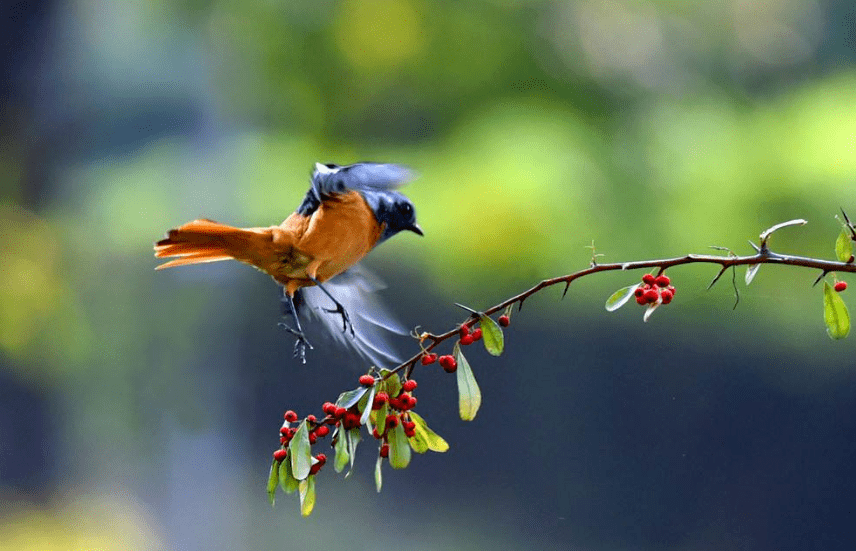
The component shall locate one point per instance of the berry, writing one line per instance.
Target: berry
(283, 440)
(395, 403)
(638, 291)
(477, 334)
(666, 296)
(408, 385)
(351, 420)
(340, 412)
(376, 434)
(312, 438)
(840, 286)
(290, 416)
(662, 281)
(641, 300)
(672, 290)
(406, 401)
(329, 408)
(379, 400)
(322, 431)
(367, 380)
(467, 340)
(321, 459)
(412, 402)
(279, 455)
(504, 320)
(464, 330)
(384, 450)
(448, 363)
(428, 359)
(650, 295)
(649, 279)
(391, 421)
(311, 419)
(285, 431)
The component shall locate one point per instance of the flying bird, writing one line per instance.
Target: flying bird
(313, 254)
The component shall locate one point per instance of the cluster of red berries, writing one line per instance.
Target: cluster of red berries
(654, 289)
(840, 286)
(447, 362)
(469, 337)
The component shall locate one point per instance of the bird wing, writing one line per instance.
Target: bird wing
(356, 288)
(330, 180)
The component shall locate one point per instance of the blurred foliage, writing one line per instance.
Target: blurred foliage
(655, 128)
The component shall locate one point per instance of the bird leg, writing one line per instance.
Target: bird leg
(301, 343)
(339, 309)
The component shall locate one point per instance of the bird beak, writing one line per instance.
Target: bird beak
(416, 229)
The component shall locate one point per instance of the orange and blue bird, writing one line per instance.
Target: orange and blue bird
(313, 254)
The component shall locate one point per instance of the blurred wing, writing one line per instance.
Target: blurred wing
(329, 180)
(356, 289)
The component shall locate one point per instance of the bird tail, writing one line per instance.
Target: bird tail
(208, 241)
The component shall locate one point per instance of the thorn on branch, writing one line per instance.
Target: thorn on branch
(565, 292)
(715, 279)
(819, 278)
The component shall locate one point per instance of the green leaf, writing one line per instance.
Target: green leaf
(342, 456)
(835, 313)
(392, 384)
(351, 397)
(366, 407)
(286, 478)
(620, 297)
(750, 272)
(307, 496)
(399, 448)
(469, 395)
(378, 475)
(271, 485)
(432, 441)
(300, 452)
(354, 437)
(844, 246)
(494, 342)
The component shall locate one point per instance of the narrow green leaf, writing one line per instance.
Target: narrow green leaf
(271, 485)
(620, 297)
(342, 456)
(307, 496)
(399, 448)
(378, 475)
(650, 310)
(835, 313)
(469, 395)
(366, 407)
(351, 397)
(844, 246)
(354, 437)
(750, 272)
(392, 384)
(300, 452)
(435, 441)
(418, 442)
(494, 342)
(286, 478)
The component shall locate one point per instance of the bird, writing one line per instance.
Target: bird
(314, 253)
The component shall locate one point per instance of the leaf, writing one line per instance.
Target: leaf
(620, 297)
(650, 310)
(469, 395)
(432, 440)
(307, 496)
(399, 448)
(378, 475)
(286, 478)
(354, 438)
(271, 485)
(342, 456)
(391, 384)
(351, 397)
(844, 246)
(300, 452)
(494, 342)
(367, 407)
(835, 313)
(750, 272)
(769, 231)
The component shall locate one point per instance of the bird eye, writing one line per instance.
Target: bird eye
(405, 208)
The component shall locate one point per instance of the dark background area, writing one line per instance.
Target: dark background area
(138, 410)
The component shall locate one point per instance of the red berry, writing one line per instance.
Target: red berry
(290, 416)
(311, 419)
(650, 295)
(285, 431)
(312, 438)
(641, 300)
(279, 455)
(464, 330)
(395, 403)
(649, 279)
(504, 320)
(410, 433)
(329, 408)
(448, 363)
(366, 380)
(467, 340)
(376, 434)
(638, 291)
(405, 401)
(391, 421)
(408, 385)
(379, 400)
(340, 412)
(477, 334)
(283, 440)
(672, 289)
(428, 359)
(322, 431)
(412, 402)
(384, 450)
(322, 458)
(662, 280)
(666, 296)
(840, 285)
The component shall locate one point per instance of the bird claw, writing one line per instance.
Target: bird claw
(300, 344)
(346, 319)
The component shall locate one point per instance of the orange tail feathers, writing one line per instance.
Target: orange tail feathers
(208, 241)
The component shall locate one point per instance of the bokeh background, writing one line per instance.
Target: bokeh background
(138, 410)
